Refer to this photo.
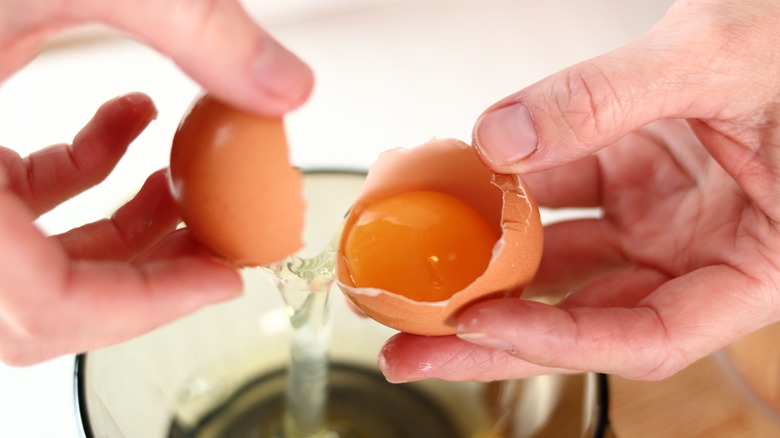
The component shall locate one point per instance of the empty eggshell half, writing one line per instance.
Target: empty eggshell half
(231, 177)
(452, 167)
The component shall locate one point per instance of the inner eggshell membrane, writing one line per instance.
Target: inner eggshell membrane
(450, 166)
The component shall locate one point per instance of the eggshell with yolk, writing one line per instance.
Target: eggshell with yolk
(236, 191)
(451, 167)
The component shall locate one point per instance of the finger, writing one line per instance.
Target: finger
(674, 154)
(131, 230)
(407, 358)
(179, 243)
(25, 29)
(591, 105)
(755, 169)
(99, 304)
(52, 175)
(681, 321)
(611, 336)
(220, 46)
(575, 254)
(50, 305)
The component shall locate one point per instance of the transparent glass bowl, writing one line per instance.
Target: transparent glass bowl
(205, 374)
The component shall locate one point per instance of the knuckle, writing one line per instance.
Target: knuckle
(587, 102)
(661, 366)
(202, 18)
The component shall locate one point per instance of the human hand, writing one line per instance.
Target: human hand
(103, 282)
(686, 256)
(115, 279)
(215, 42)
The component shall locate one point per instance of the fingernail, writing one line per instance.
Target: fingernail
(391, 371)
(489, 341)
(136, 102)
(280, 73)
(506, 135)
(386, 370)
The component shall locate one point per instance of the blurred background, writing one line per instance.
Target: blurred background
(389, 73)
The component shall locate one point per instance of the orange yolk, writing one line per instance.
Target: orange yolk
(424, 245)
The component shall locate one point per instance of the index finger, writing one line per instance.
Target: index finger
(52, 175)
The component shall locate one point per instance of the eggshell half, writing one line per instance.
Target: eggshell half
(232, 180)
(452, 167)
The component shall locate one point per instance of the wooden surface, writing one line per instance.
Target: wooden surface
(709, 398)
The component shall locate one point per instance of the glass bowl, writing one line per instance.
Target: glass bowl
(221, 372)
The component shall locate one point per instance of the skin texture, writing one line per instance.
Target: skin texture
(675, 136)
(117, 278)
(214, 41)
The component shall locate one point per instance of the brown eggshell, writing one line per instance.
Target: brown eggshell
(232, 180)
(452, 167)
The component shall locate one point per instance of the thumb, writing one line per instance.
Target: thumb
(690, 65)
(219, 45)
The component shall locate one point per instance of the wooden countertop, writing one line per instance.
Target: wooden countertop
(711, 398)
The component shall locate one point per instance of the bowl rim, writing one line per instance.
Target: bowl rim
(83, 421)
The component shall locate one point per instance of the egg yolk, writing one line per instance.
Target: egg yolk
(424, 245)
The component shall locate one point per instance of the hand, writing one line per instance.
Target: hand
(686, 257)
(104, 282)
(115, 279)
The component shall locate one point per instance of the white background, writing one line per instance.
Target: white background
(389, 73)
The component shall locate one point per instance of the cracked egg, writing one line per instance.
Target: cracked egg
(235, 188)
(432, 231)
